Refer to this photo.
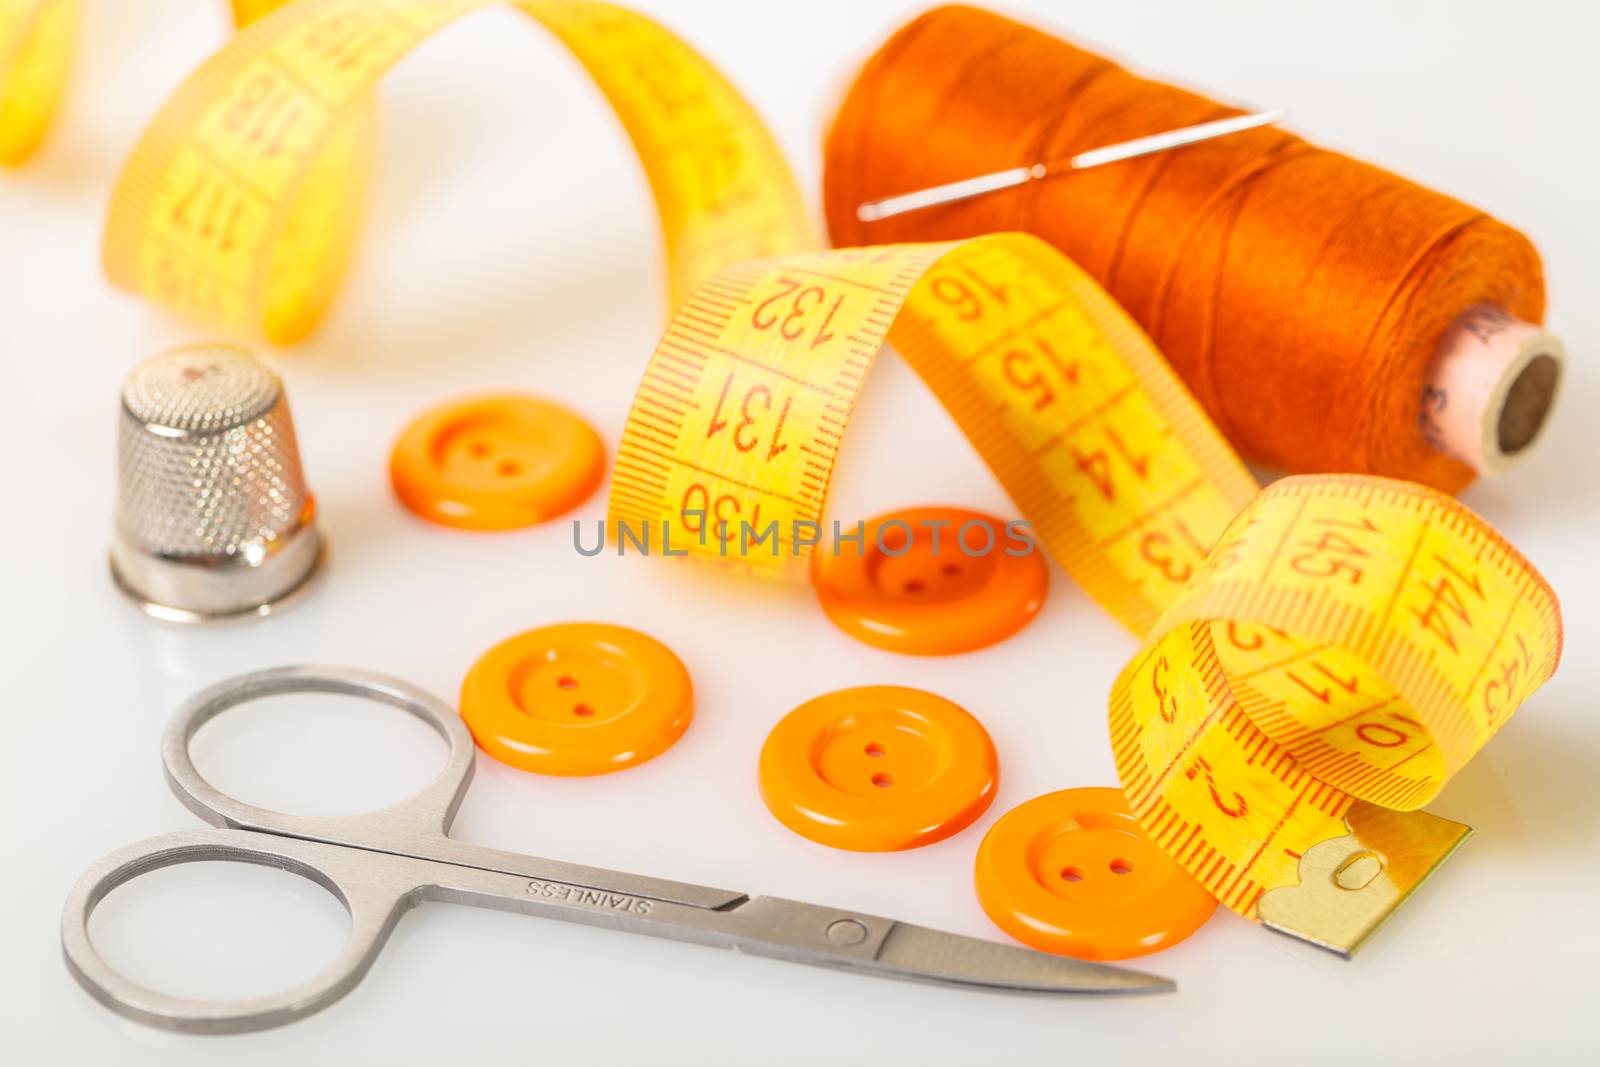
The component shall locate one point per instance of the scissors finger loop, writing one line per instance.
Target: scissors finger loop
(428, 811)
(374, 909)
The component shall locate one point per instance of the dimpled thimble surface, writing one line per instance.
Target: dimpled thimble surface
(213, 516)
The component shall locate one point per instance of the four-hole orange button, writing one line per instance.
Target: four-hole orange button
(496, 463)
(877, 769)
(578, 698)
(932, 581)
(1073, 873)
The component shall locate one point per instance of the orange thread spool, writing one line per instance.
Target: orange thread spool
(1301, 294)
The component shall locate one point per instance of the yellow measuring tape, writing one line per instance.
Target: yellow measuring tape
(1321, 648)
(240, 205)
(1350, 638)
(744, 404)
(1347, 638)
(36, 46)
(36, 39)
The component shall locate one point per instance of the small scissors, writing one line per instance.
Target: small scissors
(382, 863)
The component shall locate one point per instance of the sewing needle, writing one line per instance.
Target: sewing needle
(984, 184)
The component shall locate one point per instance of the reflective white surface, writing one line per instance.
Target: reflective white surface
(513, 246)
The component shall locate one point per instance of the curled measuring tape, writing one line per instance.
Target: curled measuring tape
(1345, 646)
(1306, 684)
(36, 44)
(744, 404)
(240, 204)
(1348, 645)
(36, 38)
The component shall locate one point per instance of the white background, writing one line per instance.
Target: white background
(513, 246)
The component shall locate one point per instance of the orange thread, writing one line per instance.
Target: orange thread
(1300, 293)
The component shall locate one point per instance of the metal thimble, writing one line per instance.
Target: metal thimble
(213, 517)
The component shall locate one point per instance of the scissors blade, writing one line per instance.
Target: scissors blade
(953, 958)
(807, 933)
(781, 929)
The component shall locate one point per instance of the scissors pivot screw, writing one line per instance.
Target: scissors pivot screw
(846, 932)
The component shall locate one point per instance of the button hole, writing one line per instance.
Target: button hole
(508, 469)
(951, 570)
(875, 750)
(1072, 874)
(567, 681)
(479, 449)
(914, 587)
(1121, 866)
(582, 711)
(882, 781)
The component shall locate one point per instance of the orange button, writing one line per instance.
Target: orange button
(878, 769)
(496, 463)
(931, 582)
(579, 698)
(1073, 873)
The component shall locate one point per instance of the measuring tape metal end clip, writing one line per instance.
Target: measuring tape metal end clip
(1350, 885)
